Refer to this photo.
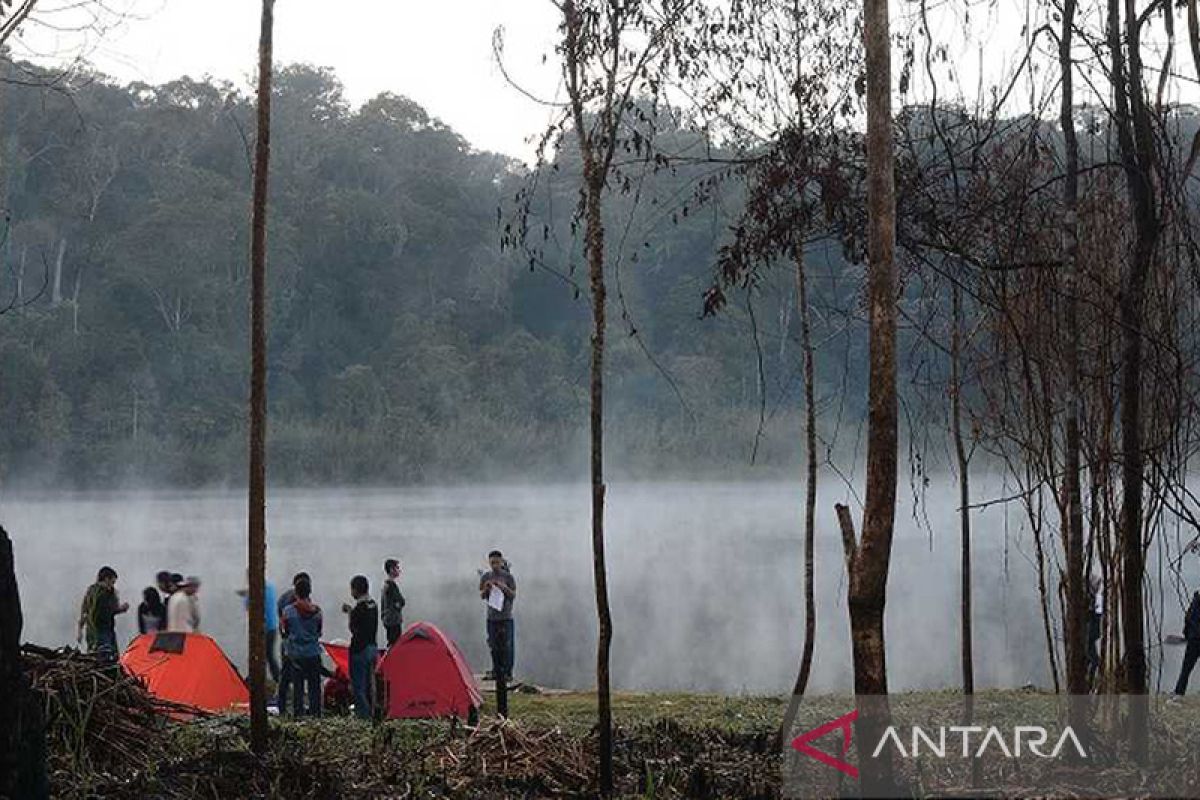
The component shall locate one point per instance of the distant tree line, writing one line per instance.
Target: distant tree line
(405, 345)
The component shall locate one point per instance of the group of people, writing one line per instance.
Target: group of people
(300, 623)
(295, 621)
(170, 605)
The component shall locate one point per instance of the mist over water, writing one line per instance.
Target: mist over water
(705, 579)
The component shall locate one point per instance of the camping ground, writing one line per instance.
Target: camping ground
(667, 745)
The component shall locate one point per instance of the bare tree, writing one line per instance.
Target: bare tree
(258, 390)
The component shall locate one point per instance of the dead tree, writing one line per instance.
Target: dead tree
(257, 539)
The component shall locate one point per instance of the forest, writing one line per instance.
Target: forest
(406, 346)
(758, 237)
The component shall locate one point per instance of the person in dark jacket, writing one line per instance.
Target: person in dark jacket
(287, 670)
(1191, 632)
(364, 632)
(302, 625)
(391, 605)
(98, 615)
(152, 613)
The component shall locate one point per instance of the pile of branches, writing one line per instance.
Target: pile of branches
(99, 720)
(502, 755)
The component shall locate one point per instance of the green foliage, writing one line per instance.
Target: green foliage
(405, 345)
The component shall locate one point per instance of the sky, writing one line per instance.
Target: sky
(437, 52)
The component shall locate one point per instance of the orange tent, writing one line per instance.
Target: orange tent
(187, 668)
(427, 676)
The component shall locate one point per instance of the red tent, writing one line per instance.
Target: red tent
(427, 676)
(339, 654)
(186, 668)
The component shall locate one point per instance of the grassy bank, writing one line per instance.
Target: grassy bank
(667, 745)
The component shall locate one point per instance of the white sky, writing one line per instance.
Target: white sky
(438, 52)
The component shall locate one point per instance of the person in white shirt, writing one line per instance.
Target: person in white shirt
(183, 609)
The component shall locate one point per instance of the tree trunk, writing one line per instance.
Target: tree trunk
(1034, 515)
(964, 498)
(258, 393)
(868, 561)
(595, 168)
(810, 501)
(1075, 631)
(12, 677)
(963, 462)
(1136, 142)
(595, 250)
(22, 734)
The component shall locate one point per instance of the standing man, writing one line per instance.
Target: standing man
(183, 609)
(1191, 632)
(98, 615)
(302, 625)
(501, 629)
(270, 620)
(364, 644)
(287, 672)
(392, 601)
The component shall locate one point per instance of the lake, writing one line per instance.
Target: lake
(706, 579)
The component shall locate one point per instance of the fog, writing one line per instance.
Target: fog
(706, 580)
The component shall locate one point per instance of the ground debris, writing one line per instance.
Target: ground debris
(667, 759)
(503, 755)
(100, 721)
